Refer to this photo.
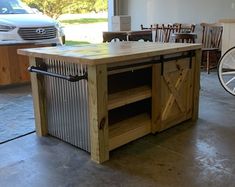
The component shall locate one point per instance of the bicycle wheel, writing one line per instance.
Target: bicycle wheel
(226, 71)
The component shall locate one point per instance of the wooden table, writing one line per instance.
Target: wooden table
(134, 88)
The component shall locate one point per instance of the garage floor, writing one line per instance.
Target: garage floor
(191, 154)
(16, 112)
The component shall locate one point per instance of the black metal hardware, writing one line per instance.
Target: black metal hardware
(161, 60)
(43, 71)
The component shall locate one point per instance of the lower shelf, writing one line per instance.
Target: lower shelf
(129, 130)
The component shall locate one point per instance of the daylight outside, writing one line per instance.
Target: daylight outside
(83, 21)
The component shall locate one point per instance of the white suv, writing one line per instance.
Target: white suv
(20, 23)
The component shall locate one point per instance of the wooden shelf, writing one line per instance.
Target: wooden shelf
(129, 130)
(128, 96)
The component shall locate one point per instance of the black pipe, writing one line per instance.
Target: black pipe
(71, 78)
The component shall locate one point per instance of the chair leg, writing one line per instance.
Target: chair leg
(208, 62)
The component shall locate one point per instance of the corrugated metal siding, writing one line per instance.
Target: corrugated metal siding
(67, 105)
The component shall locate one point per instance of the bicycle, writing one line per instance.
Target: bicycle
(226, 70)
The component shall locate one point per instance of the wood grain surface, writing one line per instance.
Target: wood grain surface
(106, 53)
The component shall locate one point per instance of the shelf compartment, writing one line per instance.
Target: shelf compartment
(129, 130)
(128, 69)
(129, 96)
(129, 80)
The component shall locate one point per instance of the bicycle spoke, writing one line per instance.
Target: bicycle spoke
(230, 81)
(229, 73)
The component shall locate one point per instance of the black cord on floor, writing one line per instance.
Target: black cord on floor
(17, 137)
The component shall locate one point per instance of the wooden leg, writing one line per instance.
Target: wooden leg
(39, 99)
(156, 98)
(208, 62)
(98, 114)
(196, 85)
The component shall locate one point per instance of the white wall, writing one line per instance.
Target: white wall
(169, 11)
(111, 13)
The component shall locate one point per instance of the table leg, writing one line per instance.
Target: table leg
(39, 99)
(98, 113)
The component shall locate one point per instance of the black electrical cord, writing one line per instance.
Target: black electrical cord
(17, 137)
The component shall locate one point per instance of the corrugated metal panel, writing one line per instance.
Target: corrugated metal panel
(67, 104)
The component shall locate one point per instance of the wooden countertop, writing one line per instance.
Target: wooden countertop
(106, 53)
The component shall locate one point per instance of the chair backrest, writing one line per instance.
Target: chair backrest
(163, 32)
(185, 28)
(185, 37)
(145, 35)
(146, 28)
(211, 35)
(114, 36)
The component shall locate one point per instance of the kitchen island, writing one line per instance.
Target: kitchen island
(101, 96)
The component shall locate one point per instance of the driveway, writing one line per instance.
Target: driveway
(91, 33)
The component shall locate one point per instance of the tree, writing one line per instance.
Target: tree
(101, 5)
(54, 8)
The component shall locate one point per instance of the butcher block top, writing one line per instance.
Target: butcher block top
(106, 53)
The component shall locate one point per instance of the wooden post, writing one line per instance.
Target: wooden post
(98, 114)
(196, 87)
(156, 98)
(39, 99)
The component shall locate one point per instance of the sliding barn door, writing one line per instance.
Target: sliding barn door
(173, 101)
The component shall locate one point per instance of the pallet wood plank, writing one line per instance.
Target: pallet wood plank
(156, 98)
(39, 99)
(128, 96)
(129, 130)
(109, 53)
(98, 115)
(5, 77)
(196, 82)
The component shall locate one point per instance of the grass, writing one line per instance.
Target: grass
(72, 42)
(84, 20)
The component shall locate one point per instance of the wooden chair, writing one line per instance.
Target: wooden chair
(146, 28)
(145, 35)
(114, 36)
(163, 32)
(211, 41)
(184, 37)
(185, 28)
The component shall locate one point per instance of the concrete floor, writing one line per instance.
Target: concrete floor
(16, 114)
(191, 154)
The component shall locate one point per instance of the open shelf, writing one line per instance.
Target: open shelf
(125, 97)
(129, 130)
(129, 105)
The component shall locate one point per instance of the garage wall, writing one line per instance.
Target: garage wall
(168, 11)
